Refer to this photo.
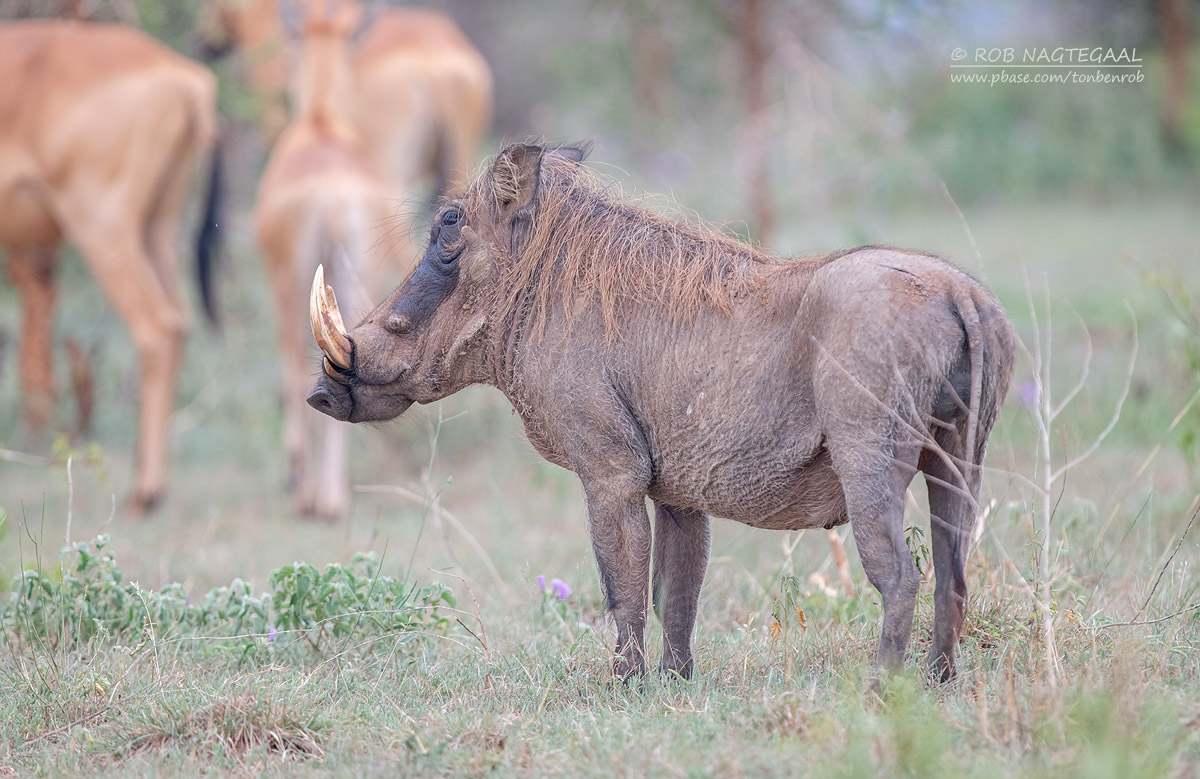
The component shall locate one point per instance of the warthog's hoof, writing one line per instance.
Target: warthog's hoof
(941, 669)
(624, 671)
(677, 670)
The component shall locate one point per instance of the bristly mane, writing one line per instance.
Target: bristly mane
(590, 246)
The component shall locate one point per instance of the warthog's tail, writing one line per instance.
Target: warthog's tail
(974, 330)
(990, 351)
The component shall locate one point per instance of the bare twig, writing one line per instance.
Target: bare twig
(8, 455)
(1134, 622)
(966, 227)
(408, 494)
(70, 500)
(1083, 373)
(474, 635)
(1116, 411)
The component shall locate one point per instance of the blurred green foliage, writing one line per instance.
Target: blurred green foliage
(1020, 142)
(862, 106)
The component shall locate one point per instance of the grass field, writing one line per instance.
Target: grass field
(516, 681)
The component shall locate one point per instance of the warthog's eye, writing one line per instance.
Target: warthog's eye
(449, 232)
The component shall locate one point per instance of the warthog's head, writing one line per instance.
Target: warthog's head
(431, 337)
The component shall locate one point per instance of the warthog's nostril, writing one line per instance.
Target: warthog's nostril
(336, 406)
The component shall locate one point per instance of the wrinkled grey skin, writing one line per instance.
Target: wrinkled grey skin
(810, 405)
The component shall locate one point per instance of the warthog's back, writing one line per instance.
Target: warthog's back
(735, 410)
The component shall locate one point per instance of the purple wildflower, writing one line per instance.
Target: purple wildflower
(1028, 392)
(560, 589)
(541, 580)
(271, 634)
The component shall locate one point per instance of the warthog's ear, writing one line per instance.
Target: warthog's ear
(515, 175)
(576, 152)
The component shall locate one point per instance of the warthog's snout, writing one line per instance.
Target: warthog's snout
(331, 398)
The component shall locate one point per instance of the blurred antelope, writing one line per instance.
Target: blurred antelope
(424, 91)
(318, 201)
(100, 127)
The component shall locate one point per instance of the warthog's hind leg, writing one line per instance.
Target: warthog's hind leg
(952, 517)
(681, 541)
(875, 488)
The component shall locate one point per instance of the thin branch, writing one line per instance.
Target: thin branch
(1045, 372)
(962, 219)
(1131, 623)
(1083, 374)
(388, 489)
(474, 635)
(8, 455)
(1116, 411)
(1036, 355)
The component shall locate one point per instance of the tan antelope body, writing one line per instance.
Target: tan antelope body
(424, 95)
(100, 127)
(320, 201)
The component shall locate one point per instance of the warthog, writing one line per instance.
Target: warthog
(663, 359)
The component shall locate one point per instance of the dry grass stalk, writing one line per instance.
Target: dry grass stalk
(1045, 415)
(843, 565)
(238, 725)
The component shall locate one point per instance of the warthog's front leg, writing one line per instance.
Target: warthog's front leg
(620, 533)
(681, 540)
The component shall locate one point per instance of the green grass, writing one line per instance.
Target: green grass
(536, 699)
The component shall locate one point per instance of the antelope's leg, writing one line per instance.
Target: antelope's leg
(158, 327)
(296, 364)
(31, 270)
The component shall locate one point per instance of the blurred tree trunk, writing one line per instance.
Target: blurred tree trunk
(1176, 43)
(749, 17)
(651, 64)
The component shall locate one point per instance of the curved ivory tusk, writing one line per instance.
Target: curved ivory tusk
(326, 322)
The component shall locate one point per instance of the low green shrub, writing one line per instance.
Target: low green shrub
(87, 599)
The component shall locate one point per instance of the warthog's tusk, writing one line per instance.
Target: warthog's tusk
(327, 324)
